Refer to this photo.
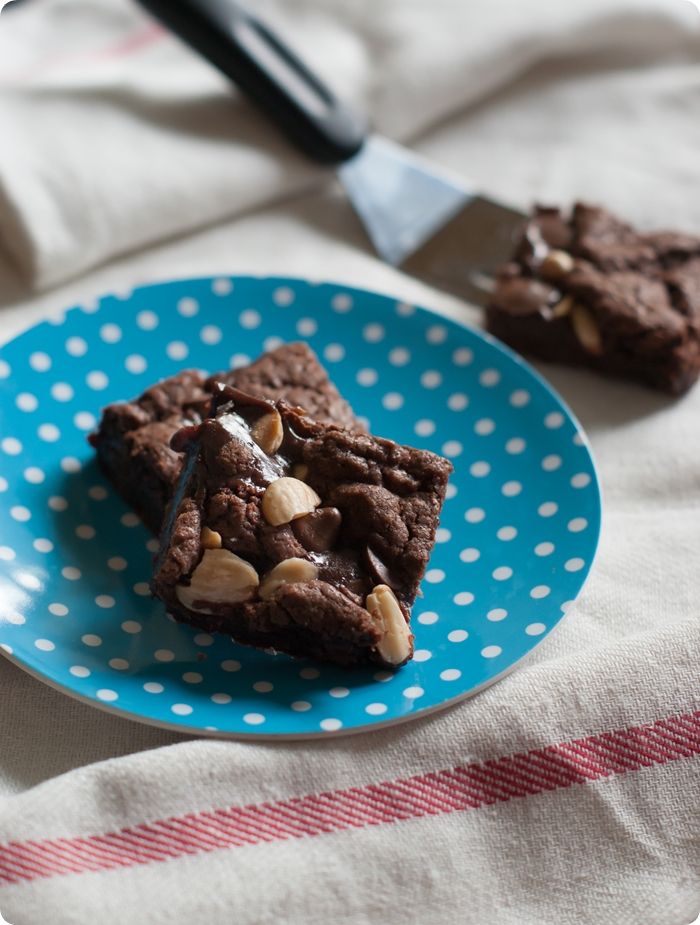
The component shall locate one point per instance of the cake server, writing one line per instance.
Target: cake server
(418, 217)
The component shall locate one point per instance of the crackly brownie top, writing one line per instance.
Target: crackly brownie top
(269, 484)
(642, 290)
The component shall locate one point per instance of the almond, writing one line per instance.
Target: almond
(286, 499)
(557, 264)
(289, 571)
(395, 645)
(221, 577)
(586, 329)
(268, 432)
(210, 539)
(563, 307)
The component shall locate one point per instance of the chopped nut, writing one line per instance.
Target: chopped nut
(300, 471)
(210, 539)
(286, 499)
(268, 432)
(562, 308)
(290, 571)
(221, 577)
(586, 329)
(395, 644)
(557, 264)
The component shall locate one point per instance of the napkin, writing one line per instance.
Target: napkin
(115, 135)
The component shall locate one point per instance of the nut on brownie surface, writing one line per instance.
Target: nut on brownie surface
(297, 535)
(591, 290)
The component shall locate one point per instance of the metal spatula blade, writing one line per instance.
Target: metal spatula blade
(417, 216)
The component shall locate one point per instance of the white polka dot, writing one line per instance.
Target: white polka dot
(431, 379)
(442, 535)
(383, 676)
(334, 353)
(566, 606)
(71, 573)
(519, 398)
(484, 427)
(187, 307)
(42, 545)
(300, 706)
(330, 724)
(181, 709)
(457, 635)
(392, 401)
(130, 520)
(221, 698)
(76, 346)
(7, 554)
(20, 513)
(548, 509)
(462, 356)
(147, 321)
(84, 420)
(61, 391)
(470, 554)
(231, 665)
(515, 445)
(405, 309)
(253, 719)
(153, 687)
(90, 639)
(58, 610)
(5, 369)
(451, 674)
(116, 563)
(452, 448)
(535, 629)
(152, 545)
(544, 549)
(491, 651)
(80, 671)
(39, 361)
(12, 446)
(45, 645)
(131, 626)
(580, 480)
(502, 573)
(551, 463)
(135, 363)
(399, 356)
(238, 360)
(413, 693)
(489, 377)
(553, 420)
(451, 491)
(511, 489)
(28, 580)
(85, 532)
(272, 343)
(376, 709)
(177, 350)
(373, 333)
(428, 618)
(97, 379)
(480, 469)
(539, 591)
(309, 674)
(34, 475)
(111, 333)
(16, 619)
(458, 401)
(434, 576)
(339, 692)
(204, 639)
(577, 524)
(506, 533)
(119, 664)
(578, 440)
(424, 427)
(306, 327)
(211, 334)
(105, 601)
(436, 334)
(574, 565)
(164, 655)
(222, 286)
(57, 503)
(25, 401)
(367, 376)
(474, 515)
(462, 598)
(49, 433)
(341, 302)
(422, 655)
(71, 464)
(5, 648)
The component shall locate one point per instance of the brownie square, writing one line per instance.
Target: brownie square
(589, 289)
(133, 438)
(297, 535)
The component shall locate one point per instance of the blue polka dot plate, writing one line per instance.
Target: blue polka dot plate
(517, 536)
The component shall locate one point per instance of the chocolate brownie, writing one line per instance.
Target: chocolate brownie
(297, 535)
(589, 289)
(133, 438)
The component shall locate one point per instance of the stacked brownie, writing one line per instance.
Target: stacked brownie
(287, 526)
(588, 289)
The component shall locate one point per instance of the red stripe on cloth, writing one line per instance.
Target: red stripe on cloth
(433, 794)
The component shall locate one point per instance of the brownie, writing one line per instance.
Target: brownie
(133, 438)
(588, 289)
(298, 535)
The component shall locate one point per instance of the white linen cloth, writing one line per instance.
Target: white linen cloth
(613, 125)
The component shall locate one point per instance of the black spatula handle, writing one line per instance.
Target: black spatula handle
(268, 72)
